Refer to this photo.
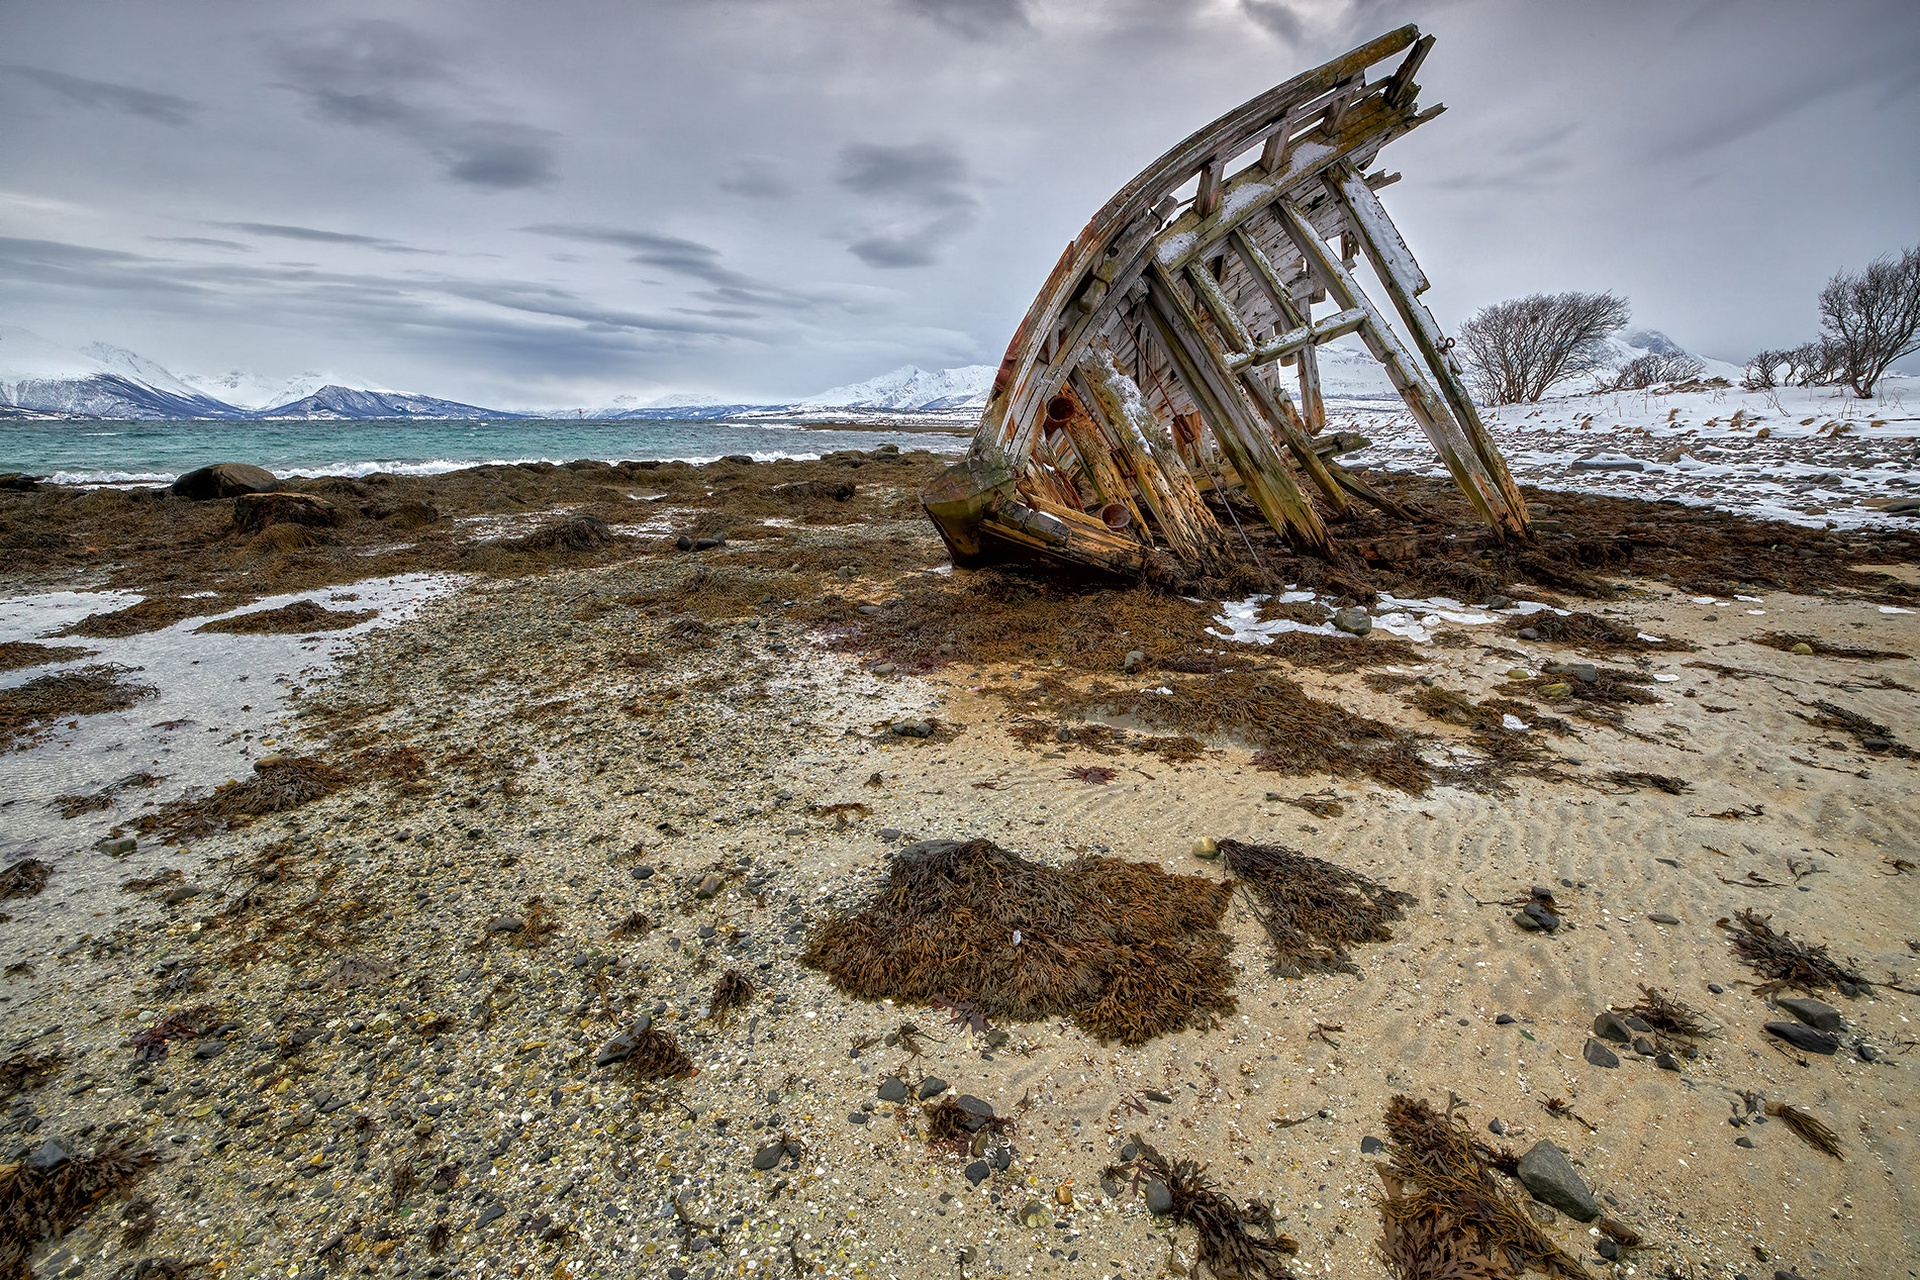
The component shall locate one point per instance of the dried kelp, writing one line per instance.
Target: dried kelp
(657, 1055)
(1870, 734)
(1665, 1014)
(24, 879)
(26, 1069)
(150, 1044)
(279, 783)
(1786, 963)
(1312, 910)
(1591, 631)
(1228, 1244)
(38, 1202)
(33, 707)
(732, 991)
(1809, 1129)
(299, 617)
(1786, 640)
(1123, 949)
(1442, 1215)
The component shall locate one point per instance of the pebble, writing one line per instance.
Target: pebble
(643, 872)
(1354, 620)
(710, 885)
(1716, 989)
(1743, 1141)
(1661, 917)
(893, 1089)
(978, 1172)
(488, 1213)
(209, 1048)
(1206, 848)
(913, 728)
(1134, 658)
(1371, 1146)
(1815, 1013)
(1608, 1026)
(1801, 1036)
(1545, 1173)
(932, 1087)
(1528, 633)
(1505, 1019)
(1599, 1055)
(48, 1155)
(506, 924)
(768, 1156)
(1159, 1198)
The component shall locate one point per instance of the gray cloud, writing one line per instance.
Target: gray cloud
(314, 235)
(757, 179)
(204, 242)
(377, 75)
(975, 19)
(162, 108)
(926, 185)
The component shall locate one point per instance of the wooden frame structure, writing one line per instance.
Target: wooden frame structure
(1147, 374)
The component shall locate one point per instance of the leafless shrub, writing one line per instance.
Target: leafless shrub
(1872, 318)
(1519, 349)
(1655, 369)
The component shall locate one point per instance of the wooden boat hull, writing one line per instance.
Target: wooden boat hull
(1143, 387)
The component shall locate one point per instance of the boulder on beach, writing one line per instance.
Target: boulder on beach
(253, 512)
(224, 480)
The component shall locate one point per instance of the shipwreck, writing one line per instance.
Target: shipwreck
(1144, 401)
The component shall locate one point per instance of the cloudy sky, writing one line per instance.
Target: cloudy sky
(555, 203)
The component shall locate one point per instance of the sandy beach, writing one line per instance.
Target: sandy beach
(358, 978)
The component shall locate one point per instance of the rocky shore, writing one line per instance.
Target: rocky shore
(378, 1005)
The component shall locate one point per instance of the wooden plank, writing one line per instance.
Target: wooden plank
(1337, 325)
(1401, 276)
(1313, 406)
(1401, 88)
(1162, 483)
(1272, 402)
(1233, 421)
(1462, 463)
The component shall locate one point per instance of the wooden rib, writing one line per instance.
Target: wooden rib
(1313, 406)
(1096, 449)
(1233, 421)
(1272, 402)
(1394, 263)
(1401, 88)
(1462, 462)
(1162, 483)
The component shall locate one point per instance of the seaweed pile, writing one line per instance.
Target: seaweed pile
(1229, 1248)
(1443, 1217)
(279, 783)
(47, 1193)
(1124, 950)
(300, 616)
(1786, 963)
(32, 708)
(1312, 910)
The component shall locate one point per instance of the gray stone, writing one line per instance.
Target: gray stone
(893, 1089)
(1599, 1055)
(223, 480)
(1504, 1020)
(48, 1155)
(1743, 1141)
(1371, 1146)
(1546, 919)
(1529, 633)
(710, 885)
(979, 1112)
(932, 1086)
(1159, 1198)
(506, 924)
(768, 1156)
(913, 728)
(643, 872)
(1545, 1173)
(1801, 1036)
(1608, 1026)
(117, 846)
(1353, 620)
(1135, 658)
(209, 1048)
(1661, 917)
(489, 1213)
(1815, 1013)
(978, 1172)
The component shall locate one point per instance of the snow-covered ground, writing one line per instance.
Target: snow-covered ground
(1816, 456)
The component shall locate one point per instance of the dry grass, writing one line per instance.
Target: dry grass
(1228, 1245)
(1443, 1217)
(1122, 949)
(300, 616)
(1312, 910)
(40, 1204)
(15, 654)
(31, 708)
(1786, 963)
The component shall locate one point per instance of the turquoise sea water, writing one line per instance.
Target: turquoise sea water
(107, 452)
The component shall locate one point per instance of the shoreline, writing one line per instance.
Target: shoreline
(418, 967)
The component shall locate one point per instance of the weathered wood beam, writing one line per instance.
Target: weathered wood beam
(1337, 325)
(1096, 449)
(1233, 421)
(1394, 263)
(1400, 87)
(1448, 440)
(1141, 447)
(1272, 402)
(1313, 406)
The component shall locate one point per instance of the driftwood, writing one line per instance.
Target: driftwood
(1144, 388)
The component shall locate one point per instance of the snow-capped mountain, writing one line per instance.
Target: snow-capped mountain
(910, 388)
(350, 403)
(39, 375)
(251, 391)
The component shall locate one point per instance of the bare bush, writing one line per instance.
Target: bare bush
(1811, 364)
(1872, 318)
(1655, 369)
(1763, 370)
(1520, 349)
